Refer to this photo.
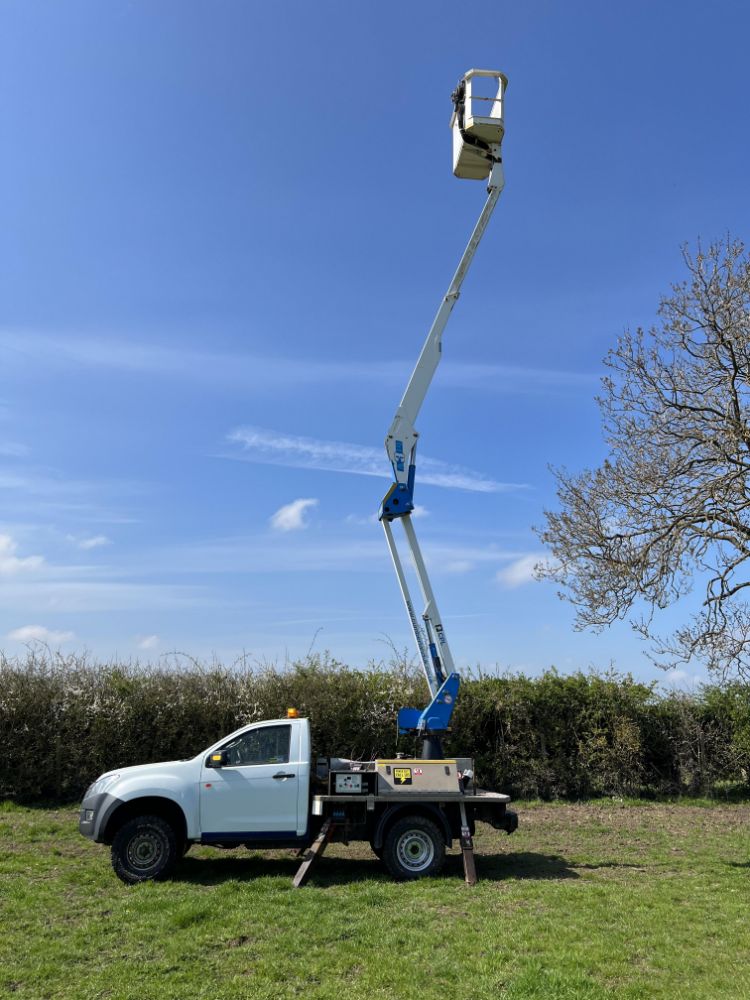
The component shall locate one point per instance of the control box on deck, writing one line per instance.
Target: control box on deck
(414, 776)
(401, 775)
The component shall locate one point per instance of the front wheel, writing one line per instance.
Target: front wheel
(413, 848)
(144, 848)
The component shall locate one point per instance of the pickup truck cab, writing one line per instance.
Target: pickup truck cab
(258, 787)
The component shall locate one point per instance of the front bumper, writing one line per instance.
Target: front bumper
(95, 812)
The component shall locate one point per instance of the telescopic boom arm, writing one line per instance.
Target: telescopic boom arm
(477, 140)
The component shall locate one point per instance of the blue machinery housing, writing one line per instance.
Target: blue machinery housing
(436, 717)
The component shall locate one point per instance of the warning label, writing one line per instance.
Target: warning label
(402, 775)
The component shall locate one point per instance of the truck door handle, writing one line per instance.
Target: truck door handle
(279, 776)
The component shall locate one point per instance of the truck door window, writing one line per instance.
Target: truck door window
(266, 745)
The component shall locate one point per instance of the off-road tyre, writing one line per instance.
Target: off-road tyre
(145, 848)
(414, 847)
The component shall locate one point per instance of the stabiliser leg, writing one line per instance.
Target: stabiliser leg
(467, 849)
(313, 853)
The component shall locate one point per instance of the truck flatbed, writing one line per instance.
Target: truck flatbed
(477, 797)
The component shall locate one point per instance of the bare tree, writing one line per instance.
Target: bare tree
(669, 509)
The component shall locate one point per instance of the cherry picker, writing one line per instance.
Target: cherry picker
(264, 785)
(478, 130)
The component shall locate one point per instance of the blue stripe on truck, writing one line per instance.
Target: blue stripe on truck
(208, 838)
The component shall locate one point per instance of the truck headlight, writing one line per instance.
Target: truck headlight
(102, 784)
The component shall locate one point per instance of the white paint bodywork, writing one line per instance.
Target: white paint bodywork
(255, 798)
(242, 799)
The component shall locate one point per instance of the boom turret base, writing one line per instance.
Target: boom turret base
(432, 747)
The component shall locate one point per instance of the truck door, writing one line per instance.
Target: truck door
(254, 796)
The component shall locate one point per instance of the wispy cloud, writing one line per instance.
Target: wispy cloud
(291, 517)
(10, 563)
(89, 596)
(360, 519)
(95, 542)
(258, 553)
(43, 492)
(513, 379)
(458, 566)
(274, 448)
(126, 354)
(39, 633)
(521, 571)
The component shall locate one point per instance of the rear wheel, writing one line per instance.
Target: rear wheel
(144, 848)
(413, 848)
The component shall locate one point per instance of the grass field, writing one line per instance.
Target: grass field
(593, 900)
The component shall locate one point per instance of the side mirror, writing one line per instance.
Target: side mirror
(218, 759)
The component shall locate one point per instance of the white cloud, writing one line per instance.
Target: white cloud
(682, 679)
(520, 571)
(291, 517)
(147, 641)
(39, 633)
(96, 542)
(420, 511)
(274, 448)
(11, 563)
(675, 676)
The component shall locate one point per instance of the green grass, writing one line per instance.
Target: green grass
(585, 901)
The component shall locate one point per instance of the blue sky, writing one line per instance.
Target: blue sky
(224, 231)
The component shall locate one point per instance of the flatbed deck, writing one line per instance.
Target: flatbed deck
(477, 797)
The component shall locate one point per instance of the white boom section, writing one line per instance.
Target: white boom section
(402, 428)
(435, 654)
(401, 444)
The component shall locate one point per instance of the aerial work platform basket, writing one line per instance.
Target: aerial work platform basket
(477, 122)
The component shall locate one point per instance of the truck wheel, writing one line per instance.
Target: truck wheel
(144, 848)
(413, 847)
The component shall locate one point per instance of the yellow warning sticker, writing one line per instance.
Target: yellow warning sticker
(402, 775)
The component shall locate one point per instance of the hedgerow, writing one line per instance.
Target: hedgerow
(64, 720)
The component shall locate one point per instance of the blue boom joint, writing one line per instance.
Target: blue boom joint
(436, 717)
(399, 500)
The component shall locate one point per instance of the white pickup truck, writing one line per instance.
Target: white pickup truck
(258, 787)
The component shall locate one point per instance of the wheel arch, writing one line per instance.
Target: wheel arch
(399, 811)
(151, 805)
